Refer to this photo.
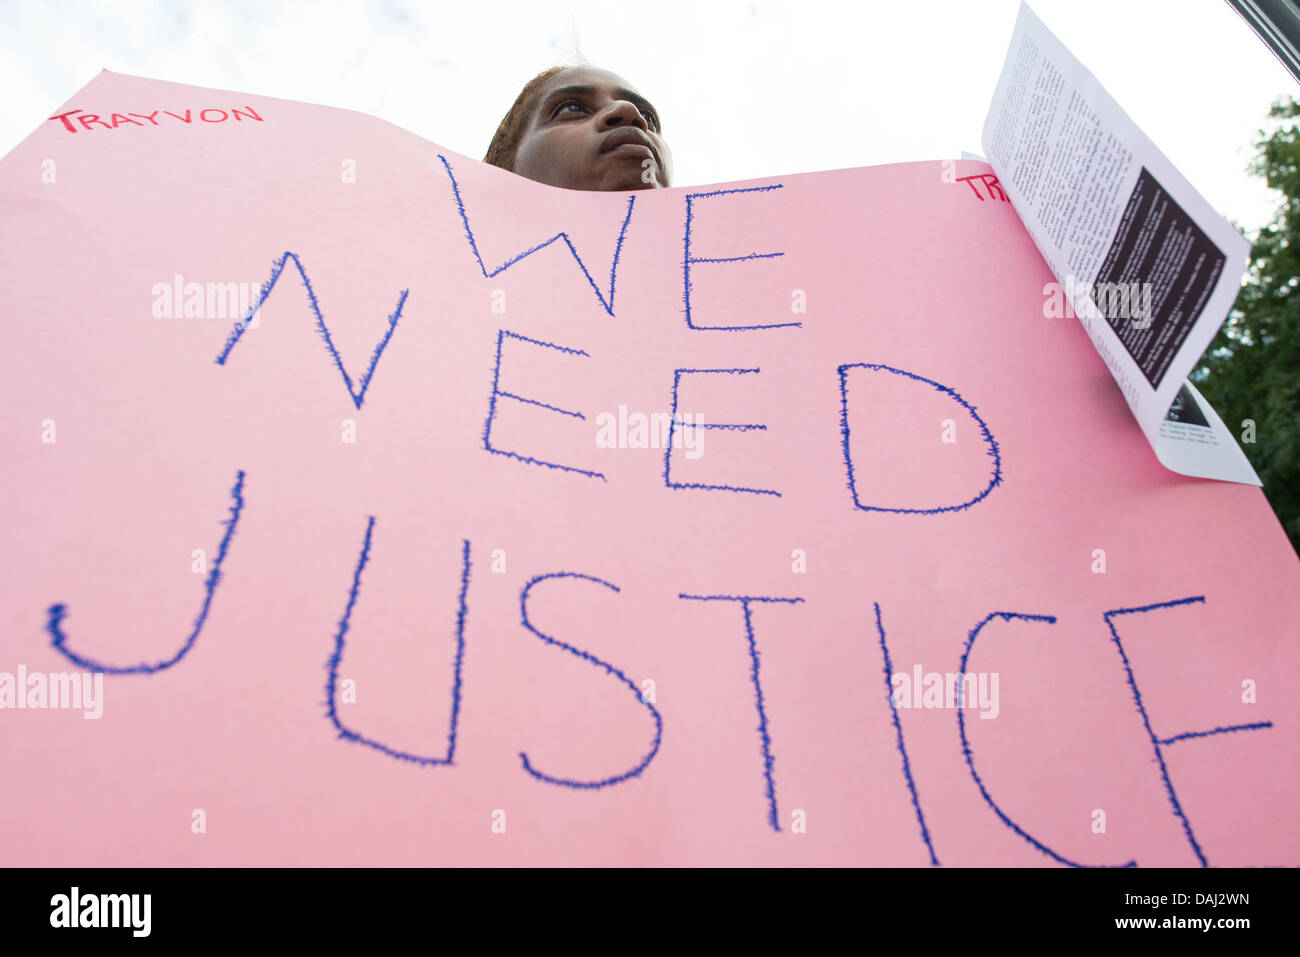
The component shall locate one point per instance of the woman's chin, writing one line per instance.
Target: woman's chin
(621, 178)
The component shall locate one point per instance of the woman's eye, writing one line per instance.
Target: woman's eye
(652, 118)
(567, 103)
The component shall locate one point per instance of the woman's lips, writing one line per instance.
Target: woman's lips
(630, 141)
(639, 149)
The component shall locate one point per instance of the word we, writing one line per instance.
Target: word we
(948, 690)
(59, 690)
(653, 431)
(102, 910)
(1114, 300)
(213, 300)
(120, 119)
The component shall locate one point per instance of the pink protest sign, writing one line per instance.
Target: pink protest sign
(369, 505)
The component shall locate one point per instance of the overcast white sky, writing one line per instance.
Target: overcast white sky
(746, 88)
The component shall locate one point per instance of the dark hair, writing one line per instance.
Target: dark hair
(505, 142)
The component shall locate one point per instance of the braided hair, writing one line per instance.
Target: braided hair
(505, 142)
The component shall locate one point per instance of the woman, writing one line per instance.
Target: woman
(583, 128)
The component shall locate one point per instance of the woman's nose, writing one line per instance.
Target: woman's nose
(623, 113)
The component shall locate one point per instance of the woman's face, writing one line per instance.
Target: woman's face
(590, 130)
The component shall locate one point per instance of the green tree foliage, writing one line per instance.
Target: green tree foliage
(1252, 368)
